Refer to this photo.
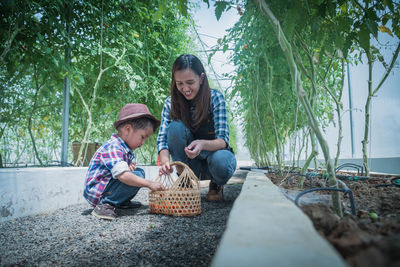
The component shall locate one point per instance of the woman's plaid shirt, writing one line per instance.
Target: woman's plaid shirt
(218, 113)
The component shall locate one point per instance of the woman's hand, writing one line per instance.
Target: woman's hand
(194, 149)
(165, 168)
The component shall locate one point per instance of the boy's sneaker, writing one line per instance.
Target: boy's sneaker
(104, 211)
(215, 192)
(130, 205)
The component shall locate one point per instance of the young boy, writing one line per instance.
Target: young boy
(112, 179)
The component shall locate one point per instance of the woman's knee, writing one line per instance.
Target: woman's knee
(178, 137)
(222, 165)
(176, 129)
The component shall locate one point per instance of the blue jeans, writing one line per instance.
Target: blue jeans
(117, 192)
(216, 165)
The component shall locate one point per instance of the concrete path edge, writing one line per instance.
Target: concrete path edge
(266, 229)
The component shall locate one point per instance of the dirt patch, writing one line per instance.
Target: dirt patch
(369, 238)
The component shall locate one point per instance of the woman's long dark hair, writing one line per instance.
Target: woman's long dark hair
(180, 106)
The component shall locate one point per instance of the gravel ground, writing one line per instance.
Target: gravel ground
(73, 237)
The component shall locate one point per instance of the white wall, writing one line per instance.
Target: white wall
(29, 191)
(385, 110)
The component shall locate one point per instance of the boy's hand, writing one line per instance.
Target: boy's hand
(156, 186)
(132, 166)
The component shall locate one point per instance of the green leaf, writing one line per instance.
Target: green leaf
(137, 77)
(347, 44)
(290, 22)
(132, 85)
(182, 6)
(160, 11)
(363, 37)
(209, 58)
(220, 7)
(372, 27)
(389, 4)
(386, 18)
(55, 61)
(78, 79)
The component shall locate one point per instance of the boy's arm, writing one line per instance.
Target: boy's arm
(134, 180)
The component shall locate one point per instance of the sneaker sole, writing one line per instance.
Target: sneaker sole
(103, 216)
(214, 200)
(129, 207)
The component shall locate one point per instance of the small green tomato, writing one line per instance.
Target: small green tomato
(373, 215)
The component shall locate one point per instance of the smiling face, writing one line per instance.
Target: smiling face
(188, 83)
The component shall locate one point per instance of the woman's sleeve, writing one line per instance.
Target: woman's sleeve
(220, 118)
(162, 142)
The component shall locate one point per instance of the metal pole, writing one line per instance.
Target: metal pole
(67, 83)
(351, 111)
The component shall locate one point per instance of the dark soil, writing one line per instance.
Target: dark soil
(369, 238)
(73, 237)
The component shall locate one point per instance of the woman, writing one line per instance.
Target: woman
(194, 127)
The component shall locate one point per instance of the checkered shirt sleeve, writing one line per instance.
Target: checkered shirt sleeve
(165, 120)
(220, 118)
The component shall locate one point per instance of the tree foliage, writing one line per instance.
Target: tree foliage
(324, 36)
(122, 35)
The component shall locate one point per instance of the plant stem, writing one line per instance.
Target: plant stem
(372, 93)
(9, 42)
(286, 48)
(31, 114)
(314, 153)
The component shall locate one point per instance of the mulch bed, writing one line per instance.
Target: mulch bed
(73, 237)
(372, 236)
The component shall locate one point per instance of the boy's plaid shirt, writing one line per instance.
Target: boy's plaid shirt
(99, 172)
(218, 114)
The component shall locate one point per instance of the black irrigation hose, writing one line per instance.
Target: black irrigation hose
(348, 177)
(265, 168)
(351, 178)
(293, 175)
(53, 163)
(60, 163)
(393, 182)
(258, 168)
(345, 191)
(351, 165)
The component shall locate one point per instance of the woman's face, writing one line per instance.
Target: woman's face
(188, 83)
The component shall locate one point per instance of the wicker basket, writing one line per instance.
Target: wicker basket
(180, 197)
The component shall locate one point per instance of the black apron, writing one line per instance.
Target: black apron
(207, 132)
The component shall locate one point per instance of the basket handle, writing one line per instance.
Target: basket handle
(187, 172)
(179, 163)
(186, 168)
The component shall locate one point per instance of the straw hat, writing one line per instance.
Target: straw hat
(135, 111)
